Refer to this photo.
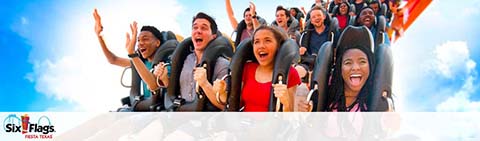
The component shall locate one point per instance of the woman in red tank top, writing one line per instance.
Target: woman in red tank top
(257, 76)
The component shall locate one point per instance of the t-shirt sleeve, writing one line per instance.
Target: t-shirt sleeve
(221, 68)
(293, 78)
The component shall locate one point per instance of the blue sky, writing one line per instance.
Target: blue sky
(53, 61)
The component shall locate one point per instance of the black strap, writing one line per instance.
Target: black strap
(177, 103)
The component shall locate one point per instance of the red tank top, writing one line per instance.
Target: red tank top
(255, 95)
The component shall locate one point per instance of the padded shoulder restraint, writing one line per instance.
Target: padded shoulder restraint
(164, 51)
(382, 79)
(352, 8)
(381, 27)
(321, 73)
(220, 46)
(243, 53)
(383, 9)
(283, 60)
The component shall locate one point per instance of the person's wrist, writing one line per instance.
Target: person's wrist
(254, 16)
(99, 34)
(133, 55)
(203, 83)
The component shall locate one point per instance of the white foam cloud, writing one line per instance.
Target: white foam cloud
(453, 58)
(460, 101)
(79, 72)
(453, 61)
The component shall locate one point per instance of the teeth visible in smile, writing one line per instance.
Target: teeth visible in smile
(262, 54)
(355, 75)
(355, 79)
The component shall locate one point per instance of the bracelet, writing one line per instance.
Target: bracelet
(133, 55)
(254, 16)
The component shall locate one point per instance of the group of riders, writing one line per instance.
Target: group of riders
(339, 50)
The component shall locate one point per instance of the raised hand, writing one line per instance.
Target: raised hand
(130, 44)
(98, 22)
(252, 8)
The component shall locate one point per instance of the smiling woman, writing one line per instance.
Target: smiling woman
(352, 79)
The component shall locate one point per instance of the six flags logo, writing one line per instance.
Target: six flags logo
(13, 124)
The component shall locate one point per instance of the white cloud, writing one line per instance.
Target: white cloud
(460, 101)
(79, 72)
(419, 82)
(453, 58)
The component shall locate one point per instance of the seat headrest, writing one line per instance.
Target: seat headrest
(355, 36)
(168, 35)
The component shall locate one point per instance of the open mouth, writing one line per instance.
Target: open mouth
(279, 22)
(367, 21)
(198, 40)
(142, 50)
(262, 54)
(355, 79)
(317, 22)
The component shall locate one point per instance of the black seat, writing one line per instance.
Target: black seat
(285, 56)
(218, 47)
